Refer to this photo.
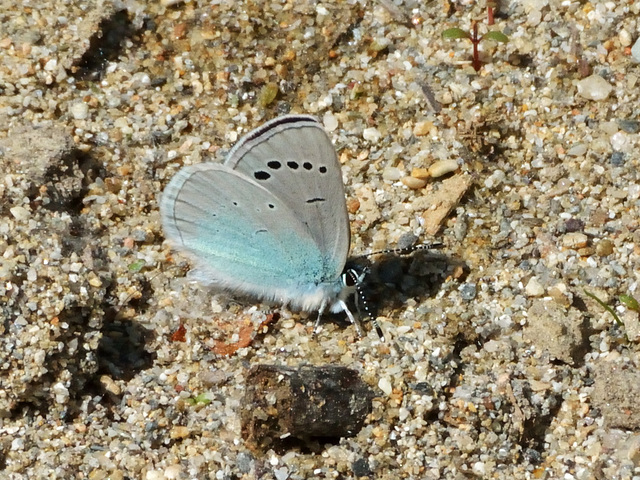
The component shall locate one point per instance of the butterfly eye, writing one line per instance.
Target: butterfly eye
(350, 278)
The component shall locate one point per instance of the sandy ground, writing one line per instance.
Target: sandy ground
(497, 363)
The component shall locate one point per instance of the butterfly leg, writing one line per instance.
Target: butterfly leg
(352, 319)
(316, 327)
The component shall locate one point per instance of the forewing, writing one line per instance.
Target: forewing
(293, 157)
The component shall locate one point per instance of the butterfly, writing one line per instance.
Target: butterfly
(270, 222)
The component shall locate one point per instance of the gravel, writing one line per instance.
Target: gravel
(497, 364)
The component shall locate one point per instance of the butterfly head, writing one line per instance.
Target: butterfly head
(353, 285)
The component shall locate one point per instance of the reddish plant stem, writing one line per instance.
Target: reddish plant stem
(476, 41)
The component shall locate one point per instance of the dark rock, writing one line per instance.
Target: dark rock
(284, 406)
(468, 291)
(361, 468)
(617, 159)
(629, 126)
(574, 225)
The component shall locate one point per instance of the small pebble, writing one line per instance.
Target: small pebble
(575, 240)
(625, 38)
(629, 126)
(51, 65)
(577, 150)
(468, 291)
(172, 472)
(179, 431)
(422, 173)
(574, 225)
(617, 159)
(604, 247)
(109, 385)
(61, 392)
(19, 213)
(281, 473)
(414, 183)
(534, 288)
(361, 468)
(391, 173)
(372, 135)
(94, 280)
(619, 141)
(330, 122)
(213, 378)
(384, 384)
(80, 110)
(594, 87)
(154, 475)
(422, 128)
(443, 167)
(353, 205)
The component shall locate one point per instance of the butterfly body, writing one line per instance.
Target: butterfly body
(271, 221)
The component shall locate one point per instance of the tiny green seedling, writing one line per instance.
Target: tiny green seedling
(202, 399)
(136, 266)
(630, 302)
(455, 33)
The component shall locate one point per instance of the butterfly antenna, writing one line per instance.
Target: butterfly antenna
(404, 250)
(363, 305)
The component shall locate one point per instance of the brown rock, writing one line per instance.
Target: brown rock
(283, 405)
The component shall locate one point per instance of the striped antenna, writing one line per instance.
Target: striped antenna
(403, 250)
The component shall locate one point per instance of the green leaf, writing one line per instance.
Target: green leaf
(453, 33)
(630, 302)
(203, 398)
(497, 36)
(136, 266)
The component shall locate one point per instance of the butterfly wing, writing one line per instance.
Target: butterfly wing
(293, 157)
(240, 235)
